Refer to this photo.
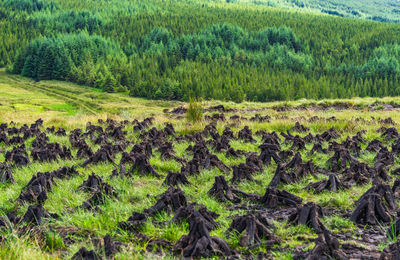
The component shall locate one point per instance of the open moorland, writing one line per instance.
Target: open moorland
(90, 174)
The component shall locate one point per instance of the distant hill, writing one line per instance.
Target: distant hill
(377, 10)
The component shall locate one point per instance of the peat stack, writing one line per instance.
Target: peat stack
(134, 222)
(357, 173)
(384, 156)
(6, 173)
(37, 188)
(317, 148)
(175, 178)
(269, 152)
(103, 155)
(143, 166)
(167, 153)
(51, 152)
(93, 183)
(4, 138)
(10, 218)
(340, 159)
(203, 159)
(35, 215)
(276, 198)
(18, 156)
(85, 254)
(193, 212)
(142, 148)
(326, 247)
(246, 135)
(198, 243)
(300, 128)
(84, 150)
(328, 135)
(254, 227)
(222, 191)
(170, 201)
(375, 205)
(389, 133)
(309, 215)
(333, 184)
(374, 146)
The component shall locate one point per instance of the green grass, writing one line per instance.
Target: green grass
(23, 101)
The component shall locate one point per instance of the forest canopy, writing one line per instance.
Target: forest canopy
(177, 49)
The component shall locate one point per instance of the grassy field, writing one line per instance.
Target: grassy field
(66, 105)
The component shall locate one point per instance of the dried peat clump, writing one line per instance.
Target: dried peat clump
(179, 110)
(332, 184)
(193, 213)
(202, 159)
(10, 218)
(274, 198)
(100, 190)
(234, 153)
(35, 215)
(328, 135)
(18, 156)
(98, 197)
(254, 228)
(37, 188)
(309, 215)
(167, 153)
(170, 201)
(389, 133)
(269, 151)
(175, 178)
(300, 128)
(340, 159)
(103, 155)
(51, 152)
(357, 173)
(326, 247)
(198, 243)
(222, 191)
(61, 132)
(298, 143)
(246, 135)
(143, 167)
(293, 171)
(93, 183)
(84, 150)
(139, 126)
(384, 156)
(3, 138)
(375, 205)
(392, 252)
(134, 222)
(317, 148)
(6, 173)
(84, 254)
(374, 146)
(242, 172)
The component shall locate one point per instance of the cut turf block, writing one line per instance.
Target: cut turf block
(198, 243)
(255, 228)
(309, 215)
(374, 206)
(175, 179)
(276, 198)
(333, 184)
(326, 247)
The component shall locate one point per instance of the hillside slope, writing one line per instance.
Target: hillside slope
(376, 10)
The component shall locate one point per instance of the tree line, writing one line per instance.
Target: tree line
(176, 49)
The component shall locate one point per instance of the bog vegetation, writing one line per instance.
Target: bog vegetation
(178, 49)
